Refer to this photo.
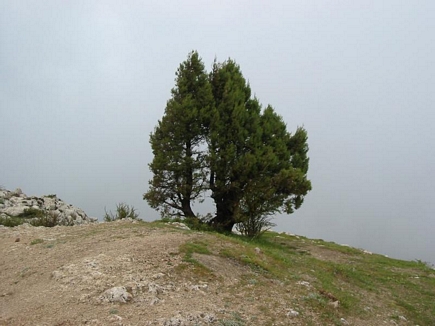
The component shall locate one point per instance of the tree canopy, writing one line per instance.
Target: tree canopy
(178, 164)
(215, 138)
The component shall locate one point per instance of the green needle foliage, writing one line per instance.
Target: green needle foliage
(178, 141)
(214, 137)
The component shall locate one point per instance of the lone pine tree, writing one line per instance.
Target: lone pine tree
(214, 137)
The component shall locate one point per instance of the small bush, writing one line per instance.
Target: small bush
(254, 227)
(197, 224)
(123, 211)
(29, 215)
(32, 213)
(194, 223)
(36, 241)
(49, 219)
(11, 221)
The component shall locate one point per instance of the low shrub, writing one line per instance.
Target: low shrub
(49, 219)
(36, 241)
(254, 227)
(194, 223)
(11, 221)
(123, 211)
(32, 213)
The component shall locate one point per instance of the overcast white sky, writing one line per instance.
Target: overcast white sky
(83, 83)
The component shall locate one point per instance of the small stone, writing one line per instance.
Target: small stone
(116, 294)
(209, 319)
(304, 283)
(292, 313)
(154, 301)
(202, 286)
(344, 321)
(17, 240)
(257, 250)
(158, 275)
(154, 288)
(334, 304)
(179, 225)
(115, 318)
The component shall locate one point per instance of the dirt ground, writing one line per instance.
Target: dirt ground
(112, 273)
(130, 273)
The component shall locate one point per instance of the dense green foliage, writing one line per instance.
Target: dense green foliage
(177, 141)
(214, 137)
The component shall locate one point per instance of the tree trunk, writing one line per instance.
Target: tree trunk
(224, 219)
(187, 209)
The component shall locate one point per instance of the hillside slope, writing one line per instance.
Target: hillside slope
(137, 273)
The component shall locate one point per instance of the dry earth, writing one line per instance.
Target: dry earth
(129, 273)
(110, 273)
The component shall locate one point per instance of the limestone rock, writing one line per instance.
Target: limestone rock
(18, 192)
(334, 304)
(15, 203)
(14, 210)
(116, 294)
(292, 313)
(304, 283)
(179, 225)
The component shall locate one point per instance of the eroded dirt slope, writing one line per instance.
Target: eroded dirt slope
(130, 273)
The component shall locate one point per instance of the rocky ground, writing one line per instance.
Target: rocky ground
(109, 273)
(97, 274)
(16, 203)
(135, 273)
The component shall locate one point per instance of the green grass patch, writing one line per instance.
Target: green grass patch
(194, 247)
(349, 276)
(190, 248)
(36, 241)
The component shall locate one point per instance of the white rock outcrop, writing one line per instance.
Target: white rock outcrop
(116, 294)
(15, 203)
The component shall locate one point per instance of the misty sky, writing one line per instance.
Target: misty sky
(83, 83)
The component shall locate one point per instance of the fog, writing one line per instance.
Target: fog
(83, 83)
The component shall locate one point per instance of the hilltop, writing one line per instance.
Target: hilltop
(138, 273)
